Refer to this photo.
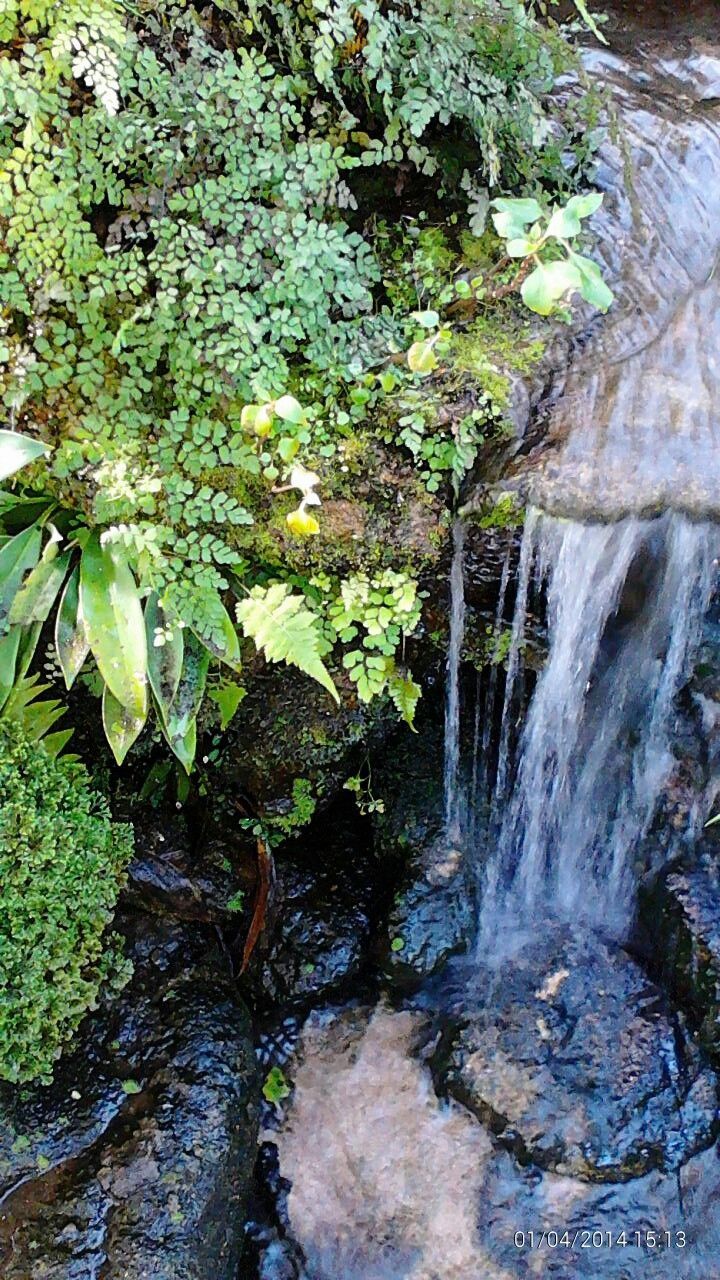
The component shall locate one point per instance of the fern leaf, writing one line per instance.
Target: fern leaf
(285, 630)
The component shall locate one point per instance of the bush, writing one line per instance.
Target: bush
(62, 864)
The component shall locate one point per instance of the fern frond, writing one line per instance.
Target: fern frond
(285, 630)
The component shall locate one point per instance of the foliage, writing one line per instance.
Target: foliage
(198, 321)
(558, 270)
(274, 828)
(62, 863)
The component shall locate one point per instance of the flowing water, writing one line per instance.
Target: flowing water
(452, 788)
(625, 605)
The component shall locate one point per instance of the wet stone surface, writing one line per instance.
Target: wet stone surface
(135, 1162)
(577, 1067)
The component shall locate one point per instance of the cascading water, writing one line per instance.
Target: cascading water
(625, 603)
(452, 789)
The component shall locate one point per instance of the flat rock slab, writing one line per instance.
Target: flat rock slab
(573, 1061)
(134, 1163)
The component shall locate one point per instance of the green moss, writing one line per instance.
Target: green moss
(62, 864)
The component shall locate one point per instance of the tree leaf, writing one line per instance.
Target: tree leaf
(179, 724)
(285, 630)
(17, 451)
(122, 728)
(37, 596)
(549, 282)
(289, 409)
(114, 624)
(164, 662)
(16, 556)
(70, 639)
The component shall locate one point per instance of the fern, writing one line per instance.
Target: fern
(37, 715)
(285, 630)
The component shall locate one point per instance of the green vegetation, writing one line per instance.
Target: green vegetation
(62, 864)
(231, 266)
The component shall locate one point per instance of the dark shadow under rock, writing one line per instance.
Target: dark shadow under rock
(572, 1060)
(136, 1161)
(329, 896)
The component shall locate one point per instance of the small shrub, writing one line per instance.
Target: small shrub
(62, 864)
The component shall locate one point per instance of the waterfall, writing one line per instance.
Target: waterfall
(625, 604)
(452, 790)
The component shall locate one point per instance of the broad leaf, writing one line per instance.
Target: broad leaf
(592, 286)
(16, 557)
(421, 358)
(285, 630)
(548, 283)
(179, 723)
(164, 661)
(513, 216)
(29, 637)
(122, 728)
(114, 624)
(566, 223)
(17, 451)
(8, 658)
(37, 596)
(70, 638)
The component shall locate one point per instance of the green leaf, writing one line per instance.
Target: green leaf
(16, 557)
(426, 319)
(285, 630)
(130, 1087)
(70, 638)
(397, 944)
(179, 724)
(592, 286)
(121, 727)
(8, 657)
(164, 662)
(588, 19)
(514, 215)
(221, 637)
(275, 1088)
(406, 694)
(289, 409)
(55, 743)
(565, 223)
(549, 282)
(227, 698)
(421, 358)
(17, 451)
(114, 624)
(37, 596)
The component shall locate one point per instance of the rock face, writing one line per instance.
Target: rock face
(575, 1065)
(432, 914)
(134, 1164)
(683, 912)
(328, 898)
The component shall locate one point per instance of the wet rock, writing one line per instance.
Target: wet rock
(327, 901)
(136, 1161)
(577, 1067)
(432, 915)
(682, 913)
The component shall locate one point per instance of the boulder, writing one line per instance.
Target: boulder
(136, 1161)
(576, 1065)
